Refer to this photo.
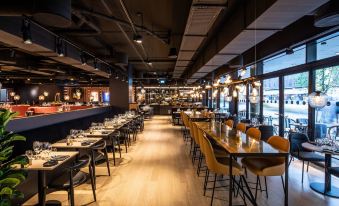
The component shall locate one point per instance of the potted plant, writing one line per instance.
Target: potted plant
(9, 178)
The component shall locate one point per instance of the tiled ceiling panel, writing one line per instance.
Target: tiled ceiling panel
(245, 40)
(185, 55)
(284, 12)
(182, 63)
(201, 19)
(191, 43)
(219, 60)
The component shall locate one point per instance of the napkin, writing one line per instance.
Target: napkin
(50, 163)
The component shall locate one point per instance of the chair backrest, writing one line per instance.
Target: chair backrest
(100, 145)
(229, 123)
(81, 163)
(333, 132)
(296, 139)
(209, 154)
(254, 133)
(241, 127)
(200, 137)
(320, 131)
(266, 131)
(279, 143)
(195, 133)
(302, 120)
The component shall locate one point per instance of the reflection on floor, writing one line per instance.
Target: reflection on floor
(157, 170)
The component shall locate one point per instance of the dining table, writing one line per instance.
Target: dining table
(238, 144)
(39, 165)
(326, 188)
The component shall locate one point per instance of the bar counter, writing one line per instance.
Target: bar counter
(43, 120)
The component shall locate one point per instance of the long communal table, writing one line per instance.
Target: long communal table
(238, 144)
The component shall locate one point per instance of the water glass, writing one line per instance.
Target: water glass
(37, 148)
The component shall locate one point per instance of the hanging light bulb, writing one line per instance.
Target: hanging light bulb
(228, 79)
(254, 92)
(242, 88)
(203, 91)
(243, 72)
(254, 99)
(215, 92)
(257, 84)
(143, 91)
(228, 98)
(235, 94)
(226, 91)
(208, 86)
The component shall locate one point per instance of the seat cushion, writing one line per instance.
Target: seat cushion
(309, 156)
(334, 171)
(63, 180)
(264, 166)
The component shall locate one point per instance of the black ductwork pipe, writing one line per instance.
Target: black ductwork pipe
(55, 13)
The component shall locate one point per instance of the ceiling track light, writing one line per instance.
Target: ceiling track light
(137, 38)
(26, 31)
(96, 64)
(289, 51)
(60, 47)
(83, 58)
(173, 53)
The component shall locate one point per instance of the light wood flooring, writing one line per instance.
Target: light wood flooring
(157, 171)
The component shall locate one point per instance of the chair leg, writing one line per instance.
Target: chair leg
(206, 180)
(92, 183)
(256, 188)
(266, 187)
(215, 180)
(308, 164)
(107, 162)
(283, 184)
(302, 175)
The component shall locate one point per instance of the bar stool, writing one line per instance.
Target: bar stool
(241, 127)
(254, 133)
(229, 123)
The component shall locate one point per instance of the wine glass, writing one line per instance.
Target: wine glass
(29, 155)
(37, 147)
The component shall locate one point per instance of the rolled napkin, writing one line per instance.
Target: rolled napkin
(50, 163)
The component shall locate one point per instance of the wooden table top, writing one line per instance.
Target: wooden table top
(76, 144)
(313, 147)
(38, 164)
(236, 142)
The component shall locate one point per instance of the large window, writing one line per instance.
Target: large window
(327, 81)
(295, 102)
(271, 102)
(284, 60)
(328, 46)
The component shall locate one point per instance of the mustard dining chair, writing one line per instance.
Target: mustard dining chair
(241, 127)
(229, 123)
(272, 166)
(219, 166)
(254, 133)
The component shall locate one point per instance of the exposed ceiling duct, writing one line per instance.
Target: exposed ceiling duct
(202, 16)
(275, 18)
(55, 13)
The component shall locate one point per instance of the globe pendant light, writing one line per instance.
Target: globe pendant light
(228, 98)
(254, 99)
(317, 100)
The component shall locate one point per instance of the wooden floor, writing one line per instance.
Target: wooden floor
(157, 171)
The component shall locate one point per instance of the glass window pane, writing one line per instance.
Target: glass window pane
(327, 81)
(284, 60)
(328, 46)
(271, 102)
(246, 74)
(295, 102)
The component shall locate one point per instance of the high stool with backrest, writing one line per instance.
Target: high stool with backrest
(229, 123)
(273, 166)
(241, 127)
(254, 133)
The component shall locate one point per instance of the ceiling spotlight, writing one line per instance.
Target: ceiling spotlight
(96, 64)
(50, 79)
(149, 63)
(117, 76)
(173, 53)
(28, 79)
(26, 31)
(60, 47)
(83, 58)
(7, 79)
(137, 38)
(72, 79)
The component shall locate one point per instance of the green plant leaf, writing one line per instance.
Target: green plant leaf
(5, 202)
(10, 182)
(18, 175)
(6, 191)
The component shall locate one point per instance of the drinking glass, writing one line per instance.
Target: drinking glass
(29, 155)
(37, 148)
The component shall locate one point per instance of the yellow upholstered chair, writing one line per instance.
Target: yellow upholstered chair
(219, 166)
(272, 166)
(229, 123)
(254, 133)
(241, 127)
